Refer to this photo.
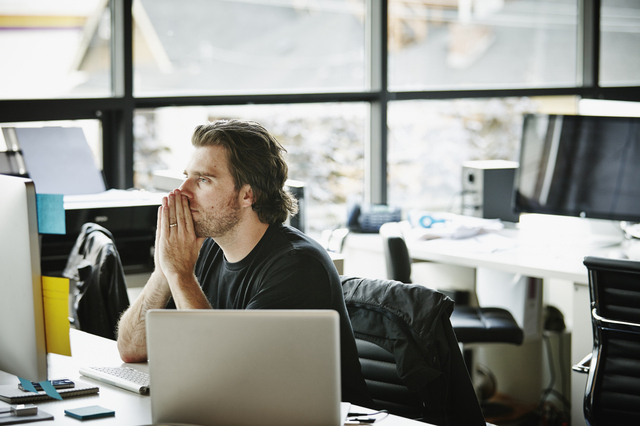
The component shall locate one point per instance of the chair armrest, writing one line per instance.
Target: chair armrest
(584, 365)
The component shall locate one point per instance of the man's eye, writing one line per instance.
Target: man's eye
(203, 180)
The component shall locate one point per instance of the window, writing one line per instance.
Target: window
(54, 49)
(619, 43)
(324, 143)
(482, 44)
(429, 141)
(248, 46)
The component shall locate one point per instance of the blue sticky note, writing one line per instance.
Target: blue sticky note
(51, 218)
(92, 412)
(47, 386)
(27, 385)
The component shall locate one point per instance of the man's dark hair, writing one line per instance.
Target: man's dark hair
(255, 158)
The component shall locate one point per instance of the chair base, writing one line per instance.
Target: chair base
(492, 409)
(503, 410)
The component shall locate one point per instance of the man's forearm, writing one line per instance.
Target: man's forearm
(187, 293)
(132, 335)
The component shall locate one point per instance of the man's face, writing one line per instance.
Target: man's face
(213, 200)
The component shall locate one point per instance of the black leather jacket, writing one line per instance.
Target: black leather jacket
(412, 323)
(100, 296)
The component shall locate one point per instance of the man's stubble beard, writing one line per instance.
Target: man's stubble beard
(219, 224)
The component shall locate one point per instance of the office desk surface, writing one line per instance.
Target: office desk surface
(88, 349)
(130, 408)
(511, 250)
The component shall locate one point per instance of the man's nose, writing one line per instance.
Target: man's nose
(185, 188)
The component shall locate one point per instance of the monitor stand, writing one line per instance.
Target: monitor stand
(582, 232)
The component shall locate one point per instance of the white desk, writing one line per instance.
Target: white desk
(130, 408)
(88, 349)
(520, 254)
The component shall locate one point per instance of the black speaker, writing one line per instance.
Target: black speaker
(487, 189)
(296, 188)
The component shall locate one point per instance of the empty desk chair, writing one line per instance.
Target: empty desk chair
(457, 282)
(409, 354)
(612, 394)
(472, 324)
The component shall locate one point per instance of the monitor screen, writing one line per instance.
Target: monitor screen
(584, 166)
(22, 336)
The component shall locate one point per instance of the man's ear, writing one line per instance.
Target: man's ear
(246, 195)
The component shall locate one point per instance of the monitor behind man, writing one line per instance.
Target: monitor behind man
(23, 349)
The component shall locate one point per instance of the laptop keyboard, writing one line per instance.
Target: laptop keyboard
(123, 377)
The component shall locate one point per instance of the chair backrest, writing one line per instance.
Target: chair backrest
(396, 253)
(408, 351)
(612, 395)
(100, 296)
(399, 266)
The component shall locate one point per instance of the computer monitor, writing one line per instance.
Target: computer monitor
(582, 166)
(23, 349)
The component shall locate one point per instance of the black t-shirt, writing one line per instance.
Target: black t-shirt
(286, 270)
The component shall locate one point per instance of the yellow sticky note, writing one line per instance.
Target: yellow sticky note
(55, 292)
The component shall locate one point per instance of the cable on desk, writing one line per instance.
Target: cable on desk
(21, 410)
(367, 414)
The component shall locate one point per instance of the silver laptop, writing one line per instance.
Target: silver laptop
(244, 367)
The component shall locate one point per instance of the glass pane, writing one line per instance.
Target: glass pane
(620, 43)
(324, 143)
(482, 44)
(196, 47)
(55, 49)
(429, 141)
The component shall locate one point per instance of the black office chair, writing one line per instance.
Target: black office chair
(612, 394)
(100, 294)
(471, 324)
(408, 351)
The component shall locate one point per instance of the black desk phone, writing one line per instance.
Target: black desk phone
(369, 218)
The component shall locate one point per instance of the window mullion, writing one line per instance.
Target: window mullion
(118, 125)
(589, 44)
(376, 141)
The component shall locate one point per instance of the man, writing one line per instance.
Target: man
(221, 244)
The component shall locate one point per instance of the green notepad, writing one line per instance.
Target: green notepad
(91, 412)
